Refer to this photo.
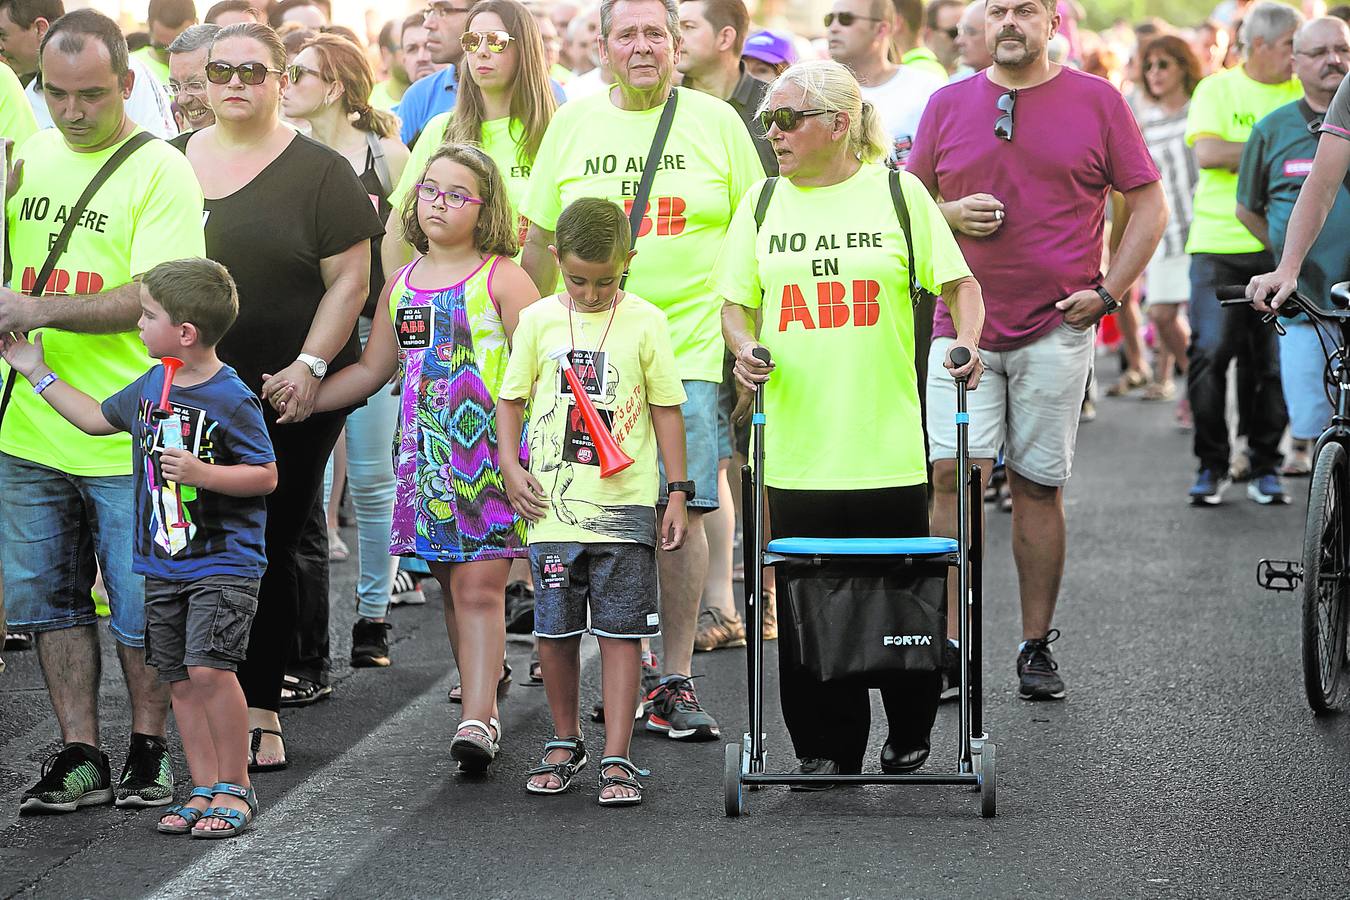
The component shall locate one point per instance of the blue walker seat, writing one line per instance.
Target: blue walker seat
(918, 546)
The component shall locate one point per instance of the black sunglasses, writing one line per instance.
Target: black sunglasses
(249, 73)
(786, 118)
(1162, 65)
(846, 18)
(1003, 125)
(951, 33)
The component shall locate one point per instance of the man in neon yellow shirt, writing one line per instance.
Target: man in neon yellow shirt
(909, 21)
(68, 496)
(166, 20)
(1223, 111)
(16, 116)
(596, 147)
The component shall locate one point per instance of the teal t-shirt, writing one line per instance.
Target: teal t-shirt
(1275, 163)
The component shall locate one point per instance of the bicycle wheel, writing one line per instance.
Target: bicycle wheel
(1326, 566)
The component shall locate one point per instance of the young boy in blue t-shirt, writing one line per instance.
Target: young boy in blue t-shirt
(203, 462)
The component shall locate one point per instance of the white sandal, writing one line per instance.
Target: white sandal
(475, 751)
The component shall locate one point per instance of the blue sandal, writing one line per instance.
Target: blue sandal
(189, 814)
(628, 779)
(237, 820)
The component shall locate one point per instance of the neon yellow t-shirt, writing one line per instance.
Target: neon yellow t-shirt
(148, 212)
(634, 369)
(925, 59)
(1227, 105)
(842, 405)
(501, 141)
(159, 69)
(382, 97)
(595, 149)
(16, 115)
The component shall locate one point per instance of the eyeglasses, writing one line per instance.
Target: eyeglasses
(1003, 125)
(295, 72)
(453, 199)
(253, 73)
(846, 18)
(441, 9)
(497, 41)
(1160, 65)
(786, 118)
(187, 87)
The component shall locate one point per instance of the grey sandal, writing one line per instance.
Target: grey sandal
(566, 770)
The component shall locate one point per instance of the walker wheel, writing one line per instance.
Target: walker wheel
(733, 795)
(988, 781)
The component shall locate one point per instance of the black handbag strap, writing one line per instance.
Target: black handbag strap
(134, 143)
(639, 210)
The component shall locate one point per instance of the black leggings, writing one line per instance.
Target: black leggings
(832, 721)
(302, 452)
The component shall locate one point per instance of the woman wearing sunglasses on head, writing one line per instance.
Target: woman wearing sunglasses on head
(504, 104)
(329, 89)
(828, 274)
(290, 220)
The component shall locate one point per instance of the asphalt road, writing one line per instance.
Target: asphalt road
(1183, 764)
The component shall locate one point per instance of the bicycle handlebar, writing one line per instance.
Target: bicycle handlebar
(1295, 303)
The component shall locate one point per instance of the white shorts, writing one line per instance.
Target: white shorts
(1027, 403)
(1169, 279)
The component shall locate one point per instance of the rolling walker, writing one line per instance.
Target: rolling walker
(976, 760)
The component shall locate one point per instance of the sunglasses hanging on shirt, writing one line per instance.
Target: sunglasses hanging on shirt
(1003, 125)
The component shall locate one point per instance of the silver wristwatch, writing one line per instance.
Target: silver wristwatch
(317, 367)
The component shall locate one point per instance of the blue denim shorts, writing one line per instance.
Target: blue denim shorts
(701, 444)
(53, 525)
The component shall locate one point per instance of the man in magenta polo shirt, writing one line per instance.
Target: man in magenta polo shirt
(1023, 158)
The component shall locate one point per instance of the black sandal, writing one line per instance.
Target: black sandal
(629, 780)
(566, 770)
(302, 692)
(254, 743)
(536, 670)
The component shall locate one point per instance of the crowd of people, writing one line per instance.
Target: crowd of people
(502, 274)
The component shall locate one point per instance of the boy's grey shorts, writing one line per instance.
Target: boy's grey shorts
(198, 623)
(616, 583)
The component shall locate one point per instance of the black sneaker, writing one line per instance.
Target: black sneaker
(76, 775)
(519, 608)
(18, 640)
(370, 644)
(147, 778)
(1037, 670)
(951, 672)
(676, 712)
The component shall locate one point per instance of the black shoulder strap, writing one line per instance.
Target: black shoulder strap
(923, 300)
(639, 211)
(134, 143)
(375, 151)
(762, 207)
(1315, 127)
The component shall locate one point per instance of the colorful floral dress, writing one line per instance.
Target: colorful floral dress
(450, 504)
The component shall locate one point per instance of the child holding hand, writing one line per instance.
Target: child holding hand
(204, 462)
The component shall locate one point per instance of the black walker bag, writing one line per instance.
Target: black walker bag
(866, 620)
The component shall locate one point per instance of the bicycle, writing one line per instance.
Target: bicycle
(1323, 573)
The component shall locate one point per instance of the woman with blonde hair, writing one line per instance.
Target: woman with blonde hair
(329, 90)
(504, 105)
(838, 319)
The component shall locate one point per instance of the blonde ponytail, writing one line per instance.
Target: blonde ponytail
(869, 139)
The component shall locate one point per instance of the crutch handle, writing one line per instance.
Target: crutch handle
(762, 354)
(959, 357)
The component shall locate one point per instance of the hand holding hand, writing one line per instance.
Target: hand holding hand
(292, 392)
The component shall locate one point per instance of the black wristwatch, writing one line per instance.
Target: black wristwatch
(684, 487)
(1112, 304)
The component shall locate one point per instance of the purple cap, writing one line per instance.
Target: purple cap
(772, 47)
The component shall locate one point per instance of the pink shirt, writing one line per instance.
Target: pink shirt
(1074, 140)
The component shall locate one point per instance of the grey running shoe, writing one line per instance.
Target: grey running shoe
(1037, 670)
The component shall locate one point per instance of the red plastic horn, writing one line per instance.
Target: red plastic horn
(171, 366)
(612, 458)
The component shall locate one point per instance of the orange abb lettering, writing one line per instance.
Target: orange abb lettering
(670, 219)
(831, 309)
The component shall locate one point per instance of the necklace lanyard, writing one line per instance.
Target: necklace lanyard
(613, 307)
